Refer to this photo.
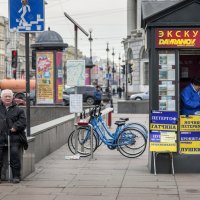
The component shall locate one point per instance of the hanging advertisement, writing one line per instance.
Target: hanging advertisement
(45, 78)
(59, 78)
(190, 134)
(166, 87)
(163, 131)
(76, 72)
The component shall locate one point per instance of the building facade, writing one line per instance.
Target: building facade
(136, 54)
(13, 41)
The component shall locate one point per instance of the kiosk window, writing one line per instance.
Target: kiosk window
(166, 86)
(189, 68)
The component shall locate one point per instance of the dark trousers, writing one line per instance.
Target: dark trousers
(97, 102)
(15, 151)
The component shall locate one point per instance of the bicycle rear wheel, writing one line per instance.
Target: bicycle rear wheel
(83, 146)
(131, 142)
(138, 126)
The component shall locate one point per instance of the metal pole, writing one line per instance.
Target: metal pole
(119, 71)
(27, 85)
(91, 141)
(126, 71)
(76, 42)
(76, 57)
(90, 40)
(113, 68)
(108, 68)
(9, 171)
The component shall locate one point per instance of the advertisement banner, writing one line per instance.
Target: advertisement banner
(59, 78)
(190, 123)
(76, 72)
(163, 117)
(45, 78)
(189, 134)
(163, 131)
(177, 38)
(87, 76)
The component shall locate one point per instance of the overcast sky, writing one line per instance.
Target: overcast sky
(107, 18)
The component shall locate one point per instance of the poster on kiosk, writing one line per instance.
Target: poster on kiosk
(190, 134)
(163, 131)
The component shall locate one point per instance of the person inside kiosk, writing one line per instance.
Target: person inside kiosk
(190, 98)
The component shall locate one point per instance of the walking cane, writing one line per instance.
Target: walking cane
(9, 171)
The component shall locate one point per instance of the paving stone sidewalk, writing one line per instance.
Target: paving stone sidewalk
(110, 176)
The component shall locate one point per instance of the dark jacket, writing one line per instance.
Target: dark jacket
(14, 117)
(98, 95)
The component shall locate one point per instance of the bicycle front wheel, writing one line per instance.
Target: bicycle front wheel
(131, 142)
(83, 141)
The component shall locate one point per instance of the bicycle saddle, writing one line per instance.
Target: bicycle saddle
(124, 119)
(120, 123)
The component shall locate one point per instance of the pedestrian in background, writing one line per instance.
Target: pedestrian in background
(113, 91)
(119, 91)
(13, 122)
(98, 95)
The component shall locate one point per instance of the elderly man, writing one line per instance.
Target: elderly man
(13, 122)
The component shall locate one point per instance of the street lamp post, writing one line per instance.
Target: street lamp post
(108, 68)
(119, 71)
(113, 68)
(126, 75)
(90, 40)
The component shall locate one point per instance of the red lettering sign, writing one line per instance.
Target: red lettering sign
(177, 38)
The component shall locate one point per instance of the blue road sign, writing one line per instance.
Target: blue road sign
(26, 15)
(108, 77)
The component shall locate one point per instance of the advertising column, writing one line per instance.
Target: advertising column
(45, 77)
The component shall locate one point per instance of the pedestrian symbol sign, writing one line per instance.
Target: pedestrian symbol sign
(108, 76)
(26, 15)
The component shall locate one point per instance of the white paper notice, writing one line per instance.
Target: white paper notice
(76, 103)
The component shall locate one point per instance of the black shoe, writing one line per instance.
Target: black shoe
(16, 180)
(16, 175)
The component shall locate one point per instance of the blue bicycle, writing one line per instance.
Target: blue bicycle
(129, 139)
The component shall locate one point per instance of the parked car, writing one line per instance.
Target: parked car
(65, 99)
(87, 91)
(140, 96)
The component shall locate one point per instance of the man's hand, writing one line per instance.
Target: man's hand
(13, 130)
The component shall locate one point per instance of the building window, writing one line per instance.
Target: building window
(146, 73)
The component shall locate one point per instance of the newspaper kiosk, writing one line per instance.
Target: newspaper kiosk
(173, 42)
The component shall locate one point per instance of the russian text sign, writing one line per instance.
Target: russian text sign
(177, 38)
(189, 134)
(163, 131)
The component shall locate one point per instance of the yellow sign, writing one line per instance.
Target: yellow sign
(190, 123)
(160, 147)
(167, 137)
(190, 147)
(163, 127)
(60, 92)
